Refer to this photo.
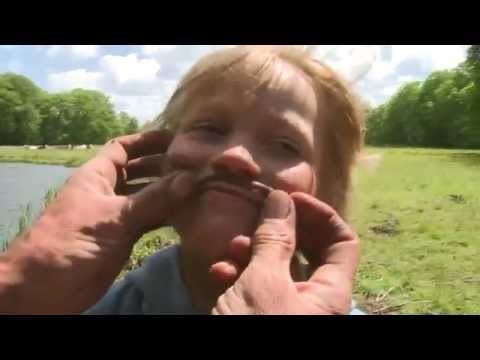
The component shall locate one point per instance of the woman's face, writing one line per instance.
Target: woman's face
(231, 136)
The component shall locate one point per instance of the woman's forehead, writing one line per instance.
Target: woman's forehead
(252, 82)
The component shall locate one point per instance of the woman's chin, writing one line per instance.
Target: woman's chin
(222, 228)
(209, 225)
(224, 216)
(210, 236)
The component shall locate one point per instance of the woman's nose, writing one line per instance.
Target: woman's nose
(236, 160)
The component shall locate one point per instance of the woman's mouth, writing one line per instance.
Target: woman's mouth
(234, 190)
(253, 192)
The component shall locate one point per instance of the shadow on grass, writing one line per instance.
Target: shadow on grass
(470, 159)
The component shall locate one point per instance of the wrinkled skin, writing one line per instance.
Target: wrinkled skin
(72, 254)
(266, 286)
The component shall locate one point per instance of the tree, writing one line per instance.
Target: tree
(376, 126)
(473, 67)
(31, 115)
(442, 111)
(473, 62)
(92, 118)
(56, 111)
(395, 122)
(402, 126)
(19, 117)
(126, 123)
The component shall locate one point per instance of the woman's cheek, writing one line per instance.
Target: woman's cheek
(185, 154)
(300, 178)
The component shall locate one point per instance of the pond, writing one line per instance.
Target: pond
(25, 184)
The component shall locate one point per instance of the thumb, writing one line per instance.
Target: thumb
(149, 208)
(275, 239)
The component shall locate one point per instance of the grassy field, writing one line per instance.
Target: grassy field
(71, 158)
(417, 215)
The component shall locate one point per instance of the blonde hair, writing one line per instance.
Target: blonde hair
(344, 131)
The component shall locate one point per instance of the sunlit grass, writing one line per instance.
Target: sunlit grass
(417, 215)
(70, 158)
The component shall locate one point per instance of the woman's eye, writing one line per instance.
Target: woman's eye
(287, 147)
(210, 128)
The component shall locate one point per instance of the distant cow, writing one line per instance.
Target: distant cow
(80, 147)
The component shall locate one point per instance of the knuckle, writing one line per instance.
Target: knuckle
(350, 235)
(277, 238)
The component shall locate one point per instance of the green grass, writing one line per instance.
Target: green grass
(417, 215)
(71, 158)
(147, 245)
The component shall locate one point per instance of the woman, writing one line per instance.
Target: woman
(244, 115)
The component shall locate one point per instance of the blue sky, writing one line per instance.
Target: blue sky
(139, 79)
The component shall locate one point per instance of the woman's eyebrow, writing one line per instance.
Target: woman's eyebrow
(205, 109)
(294, 123)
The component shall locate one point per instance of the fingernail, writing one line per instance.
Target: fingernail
(277, 205)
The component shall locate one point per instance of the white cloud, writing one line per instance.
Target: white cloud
(389, 90)
(406, 78)
(79, 78)
(439, 56)
(156, 49)
(79, 51)
(130, 81)
(427, 57)
(351, 61)
(380, 70)
(53, 50)
(85, 51)
(143, 107)
(130, 68)
(407, 63)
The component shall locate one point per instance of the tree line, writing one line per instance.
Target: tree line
(442, 111)
(30, 115)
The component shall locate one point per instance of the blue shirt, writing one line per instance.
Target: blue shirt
(154, 288)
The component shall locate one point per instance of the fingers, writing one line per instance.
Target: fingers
(222, 308)
(215, 311)
(274, 239)
(340, 260)
(225, 272)
(147, 166)
(149, 208)
(231, 303)
(108, 165)
(129, 147)
(326, 239)
(130, 189)
(228, 271)
(240, 251)
(316, 226)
